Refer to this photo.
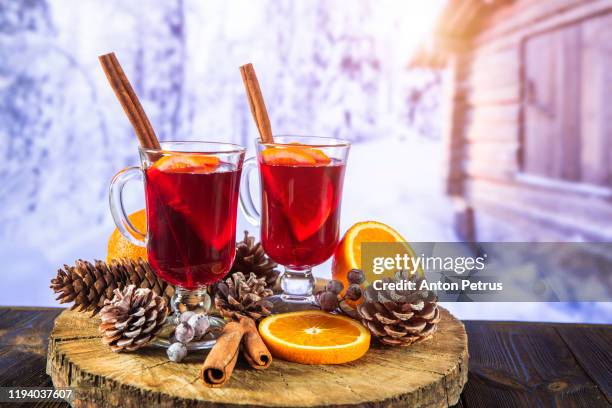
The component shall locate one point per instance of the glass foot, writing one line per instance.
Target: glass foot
(165, 338)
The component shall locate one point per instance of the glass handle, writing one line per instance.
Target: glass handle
(118, 210)
(246, 198)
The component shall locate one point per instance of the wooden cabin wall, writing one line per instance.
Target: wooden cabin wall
(525, 167)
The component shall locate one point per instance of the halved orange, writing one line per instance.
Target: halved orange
(348, 251)
(314, 337)
(120, 247)
(188, 163)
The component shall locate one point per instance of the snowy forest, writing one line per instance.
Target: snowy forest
(325, 69)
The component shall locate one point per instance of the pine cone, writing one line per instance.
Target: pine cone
(132, 318)
(400, 317)
(239, 296)
(90, 285)
(250, 257)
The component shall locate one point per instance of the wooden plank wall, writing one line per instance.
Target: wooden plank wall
(501, 163)
(596, 107)
(552, 104)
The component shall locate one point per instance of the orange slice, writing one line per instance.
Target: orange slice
(319, 156)
(348, 251)
(295, 153)
(314, 337)
(287, 155)
(188, 163)
(316, 154)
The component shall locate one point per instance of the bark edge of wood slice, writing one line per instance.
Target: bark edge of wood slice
(431, 374)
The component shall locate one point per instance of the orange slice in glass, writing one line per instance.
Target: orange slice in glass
(287, 155)
(314, 337)
(188, 163)
(317, 154)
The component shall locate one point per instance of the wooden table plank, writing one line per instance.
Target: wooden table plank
(525, 364)
(24, 333)
(27, 326)
(591, 347)
(460, 404)
(23, 366)
(511, 364)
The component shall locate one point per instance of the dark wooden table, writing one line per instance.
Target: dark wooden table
(511, 364)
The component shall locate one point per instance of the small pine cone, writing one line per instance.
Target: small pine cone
(90, 285)
(250, 257)
(132, 318)
(241, 297)
(400, 317)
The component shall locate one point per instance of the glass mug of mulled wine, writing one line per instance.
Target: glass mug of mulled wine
(191, 191)
(301, 189)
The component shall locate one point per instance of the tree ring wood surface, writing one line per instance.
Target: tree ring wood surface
(430, 374)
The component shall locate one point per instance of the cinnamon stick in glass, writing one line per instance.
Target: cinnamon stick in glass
(256, 103)
(129, 101)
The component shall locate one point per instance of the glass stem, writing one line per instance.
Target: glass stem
(196, 300)
(298, 283)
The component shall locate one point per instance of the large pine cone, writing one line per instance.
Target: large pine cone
(89, 285)
(250, 257)
(400, 317)
(132, 318)
(241, 297)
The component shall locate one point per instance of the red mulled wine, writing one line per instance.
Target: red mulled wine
(300, 210)
(191, 217)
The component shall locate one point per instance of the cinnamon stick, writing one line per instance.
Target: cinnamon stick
(254, 349)
(256, 102)
(221, 360)
(129, 101)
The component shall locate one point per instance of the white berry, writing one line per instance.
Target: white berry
(177, 352)
(183, 333)
(200, 325)
(185, 316)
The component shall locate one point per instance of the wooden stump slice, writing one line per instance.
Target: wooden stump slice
(429, 374)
